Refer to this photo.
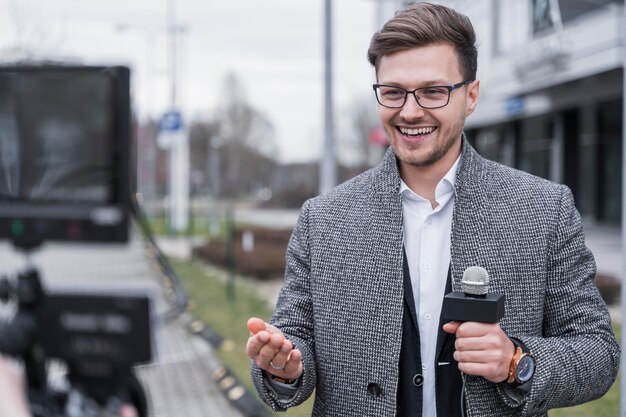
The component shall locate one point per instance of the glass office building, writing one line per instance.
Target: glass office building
(551, 74)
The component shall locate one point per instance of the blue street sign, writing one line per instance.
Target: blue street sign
(515, 106)
(172, 121)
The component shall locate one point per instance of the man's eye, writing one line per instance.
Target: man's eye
(392, 92)
(433, 91)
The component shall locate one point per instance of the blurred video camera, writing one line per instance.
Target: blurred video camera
(65, 150)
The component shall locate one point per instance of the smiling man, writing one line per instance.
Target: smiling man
(359, 317)
(424, 125)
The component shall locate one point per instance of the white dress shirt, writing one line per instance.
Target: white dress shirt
(427, 245)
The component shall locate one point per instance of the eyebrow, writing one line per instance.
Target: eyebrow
(421, 85)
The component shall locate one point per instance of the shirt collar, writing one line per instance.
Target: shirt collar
(444, 186)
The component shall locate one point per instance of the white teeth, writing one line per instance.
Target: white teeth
(418, 131)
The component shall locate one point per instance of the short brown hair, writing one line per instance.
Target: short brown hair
(424, 24)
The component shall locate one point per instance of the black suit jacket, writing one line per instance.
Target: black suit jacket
(448, 384)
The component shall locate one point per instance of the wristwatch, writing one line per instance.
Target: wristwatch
(281, 380)
(522, 366)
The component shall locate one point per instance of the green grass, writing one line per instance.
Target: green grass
(210, 300)
(209, 295)
(198, 226)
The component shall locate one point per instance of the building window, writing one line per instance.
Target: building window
(609, 161)
(572, 9)
(536, 145)
(545, 14)
(511, 25)
(497, 143)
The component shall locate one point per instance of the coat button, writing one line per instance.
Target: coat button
(418, 380)
(374, 390)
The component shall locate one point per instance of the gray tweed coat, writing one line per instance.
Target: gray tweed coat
(341, 304)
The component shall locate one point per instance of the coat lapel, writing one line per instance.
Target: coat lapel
(385, 240)
(469, 215)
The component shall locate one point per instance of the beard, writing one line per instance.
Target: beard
(439, 150)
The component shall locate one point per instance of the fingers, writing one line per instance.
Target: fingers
(451, 327)
(486, 355)
(279, 359)
(482, 349)
(294, 364)
(255, 325)
(277, 347)
(271, 351)
(12, 389)
(262, 342)
(128, 411)
(489, 370)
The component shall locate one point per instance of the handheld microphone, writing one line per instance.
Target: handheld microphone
(474, 303)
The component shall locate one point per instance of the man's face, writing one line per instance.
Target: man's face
(421, 137)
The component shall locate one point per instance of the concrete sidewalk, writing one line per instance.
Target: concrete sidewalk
(180, 381)
(606, 244)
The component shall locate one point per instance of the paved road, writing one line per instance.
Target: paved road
(180, 381)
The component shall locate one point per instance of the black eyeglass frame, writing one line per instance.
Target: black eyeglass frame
(450, 89)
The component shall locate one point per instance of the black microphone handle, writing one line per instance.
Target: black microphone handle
(459, 306)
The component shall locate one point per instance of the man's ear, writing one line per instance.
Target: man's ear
(473, 90)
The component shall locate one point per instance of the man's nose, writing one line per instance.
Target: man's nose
(411, 108)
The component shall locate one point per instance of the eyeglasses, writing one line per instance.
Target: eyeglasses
(432, 97)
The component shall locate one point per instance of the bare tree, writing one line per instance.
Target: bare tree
(248, 141)
(34, 37)
(201, 133)
(355, 148)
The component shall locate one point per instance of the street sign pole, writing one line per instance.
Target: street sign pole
(178, 146)
(328, 168)
(623, 224)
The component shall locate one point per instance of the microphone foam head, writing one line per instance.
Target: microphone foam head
(475, 281)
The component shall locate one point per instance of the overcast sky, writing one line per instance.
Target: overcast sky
(274, 46)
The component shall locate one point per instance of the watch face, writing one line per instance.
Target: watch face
(525, 368)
